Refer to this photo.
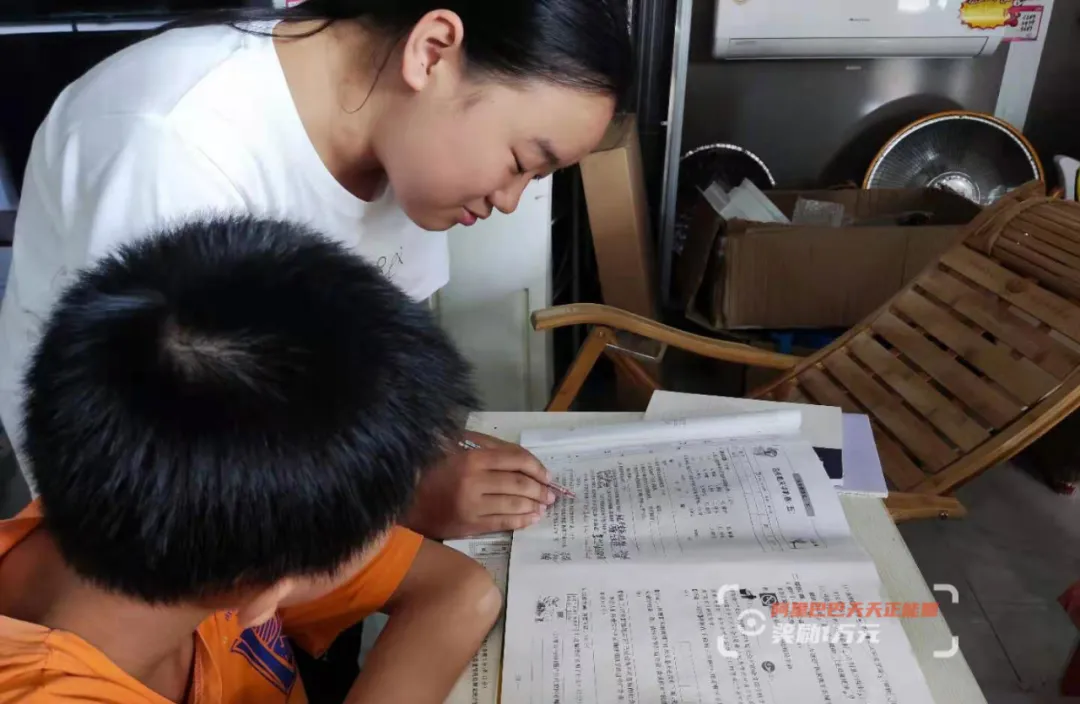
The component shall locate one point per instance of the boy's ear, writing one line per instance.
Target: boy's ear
(261, 607)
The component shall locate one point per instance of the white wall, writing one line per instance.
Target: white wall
(500, 271)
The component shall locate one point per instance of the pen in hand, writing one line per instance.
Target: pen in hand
(557, 488)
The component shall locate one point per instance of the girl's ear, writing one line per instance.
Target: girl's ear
(433, 46)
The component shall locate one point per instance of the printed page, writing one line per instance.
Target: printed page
(692, 501)
(480, 683)
(776, 635)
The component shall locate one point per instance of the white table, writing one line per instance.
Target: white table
(950, 679)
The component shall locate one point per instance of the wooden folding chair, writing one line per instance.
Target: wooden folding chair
(964, 368)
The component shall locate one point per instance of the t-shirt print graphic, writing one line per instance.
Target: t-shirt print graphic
(269, 652)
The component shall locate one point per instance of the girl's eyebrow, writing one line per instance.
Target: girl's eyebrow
(548, 151)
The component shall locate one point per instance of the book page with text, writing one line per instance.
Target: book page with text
(768, 498)
(748, 633)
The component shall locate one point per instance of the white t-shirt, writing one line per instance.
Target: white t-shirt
(194, 121)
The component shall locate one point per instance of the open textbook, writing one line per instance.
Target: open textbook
(703, 560)
(706, 560)
(823, 427)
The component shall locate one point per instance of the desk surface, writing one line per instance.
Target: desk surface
(950, 679)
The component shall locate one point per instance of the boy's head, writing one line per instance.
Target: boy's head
(229, 404)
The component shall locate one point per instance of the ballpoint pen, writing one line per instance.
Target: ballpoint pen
(557, 488)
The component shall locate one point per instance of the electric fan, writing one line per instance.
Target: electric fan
(975, 156)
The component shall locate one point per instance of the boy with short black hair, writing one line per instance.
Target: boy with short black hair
(225, 423)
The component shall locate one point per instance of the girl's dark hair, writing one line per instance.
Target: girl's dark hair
(582, 44)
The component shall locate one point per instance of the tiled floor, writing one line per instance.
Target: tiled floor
(1010, 559)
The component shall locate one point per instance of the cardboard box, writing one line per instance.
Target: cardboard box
(615, 196)
(752, 275)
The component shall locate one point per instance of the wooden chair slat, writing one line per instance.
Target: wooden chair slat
(994, 407)
(914, 434)
(1027, 428)
(1045, 256)
(1024, 264)
(1048, 307)
(827, 393)
(780, 393)
(900, 471)
(789, 393)
(1065, 222)
(993, 315)
(940, 411)
(1027, 232)
(1021, 377)
(1054, 234)
(797, 396)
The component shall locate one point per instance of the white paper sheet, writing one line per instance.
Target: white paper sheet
(609, 438)
(863, 473)
(821, 426)
(480, 683)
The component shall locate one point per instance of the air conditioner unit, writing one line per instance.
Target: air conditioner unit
(844, 29)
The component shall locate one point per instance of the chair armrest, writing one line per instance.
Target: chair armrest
(606, 316)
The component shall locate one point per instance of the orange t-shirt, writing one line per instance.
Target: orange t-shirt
(39, 664)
